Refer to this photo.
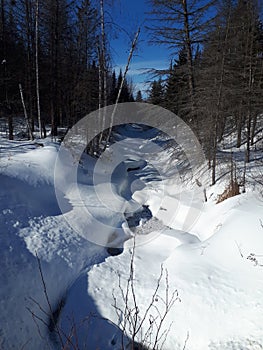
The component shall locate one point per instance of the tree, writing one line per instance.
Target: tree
(139, 96)
(113, 88)
(4, 88)
(50, 47)
(121, 82)
(181, 24)
(126, 93)
(37, 69)
(56, 26)
(26, 21)
(212, 86)
(85, 71)
(156, 94)
(176, 87)
(12, 59)
(229, 77)
(250, 79)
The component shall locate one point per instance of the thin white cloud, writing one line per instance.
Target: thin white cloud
(144, 87)
(142, 67)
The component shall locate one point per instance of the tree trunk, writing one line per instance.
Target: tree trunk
(37, 72)
(250, 88)
(102, 73)
(253, 131)
(239, 123)
(213, 164)
(29, 66)
(188, 43)
(122, 82)
(25, 114)
(10, 127)
(103, 51)
(7, 104)
(218, 103)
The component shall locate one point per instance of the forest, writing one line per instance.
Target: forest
(56, 59)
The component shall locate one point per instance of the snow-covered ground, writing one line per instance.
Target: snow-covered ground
(211, 254)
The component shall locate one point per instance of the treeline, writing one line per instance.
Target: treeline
(56, 50)
(217, 77)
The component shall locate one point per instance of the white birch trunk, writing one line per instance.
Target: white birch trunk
(122, 82)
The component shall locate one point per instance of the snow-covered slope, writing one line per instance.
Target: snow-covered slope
(219, 285)
(213, 253)
(31, 223)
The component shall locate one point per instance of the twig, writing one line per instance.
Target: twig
(48, 301)
(40, 307)
(34, 316)
(26, 343)
(238, 247)
(186, 340)
(132, 323)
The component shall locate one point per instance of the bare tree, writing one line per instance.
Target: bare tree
(181, 24)
(228, 78)
(133, 47)
(211, 87)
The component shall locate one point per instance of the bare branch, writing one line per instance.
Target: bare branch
(48, 302)
(144, 327)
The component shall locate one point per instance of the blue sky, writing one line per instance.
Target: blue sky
(129, 15)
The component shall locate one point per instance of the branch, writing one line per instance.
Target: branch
(48, 301)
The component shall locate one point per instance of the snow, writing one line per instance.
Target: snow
(31, 222)
(212, 253)
(220, 290)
